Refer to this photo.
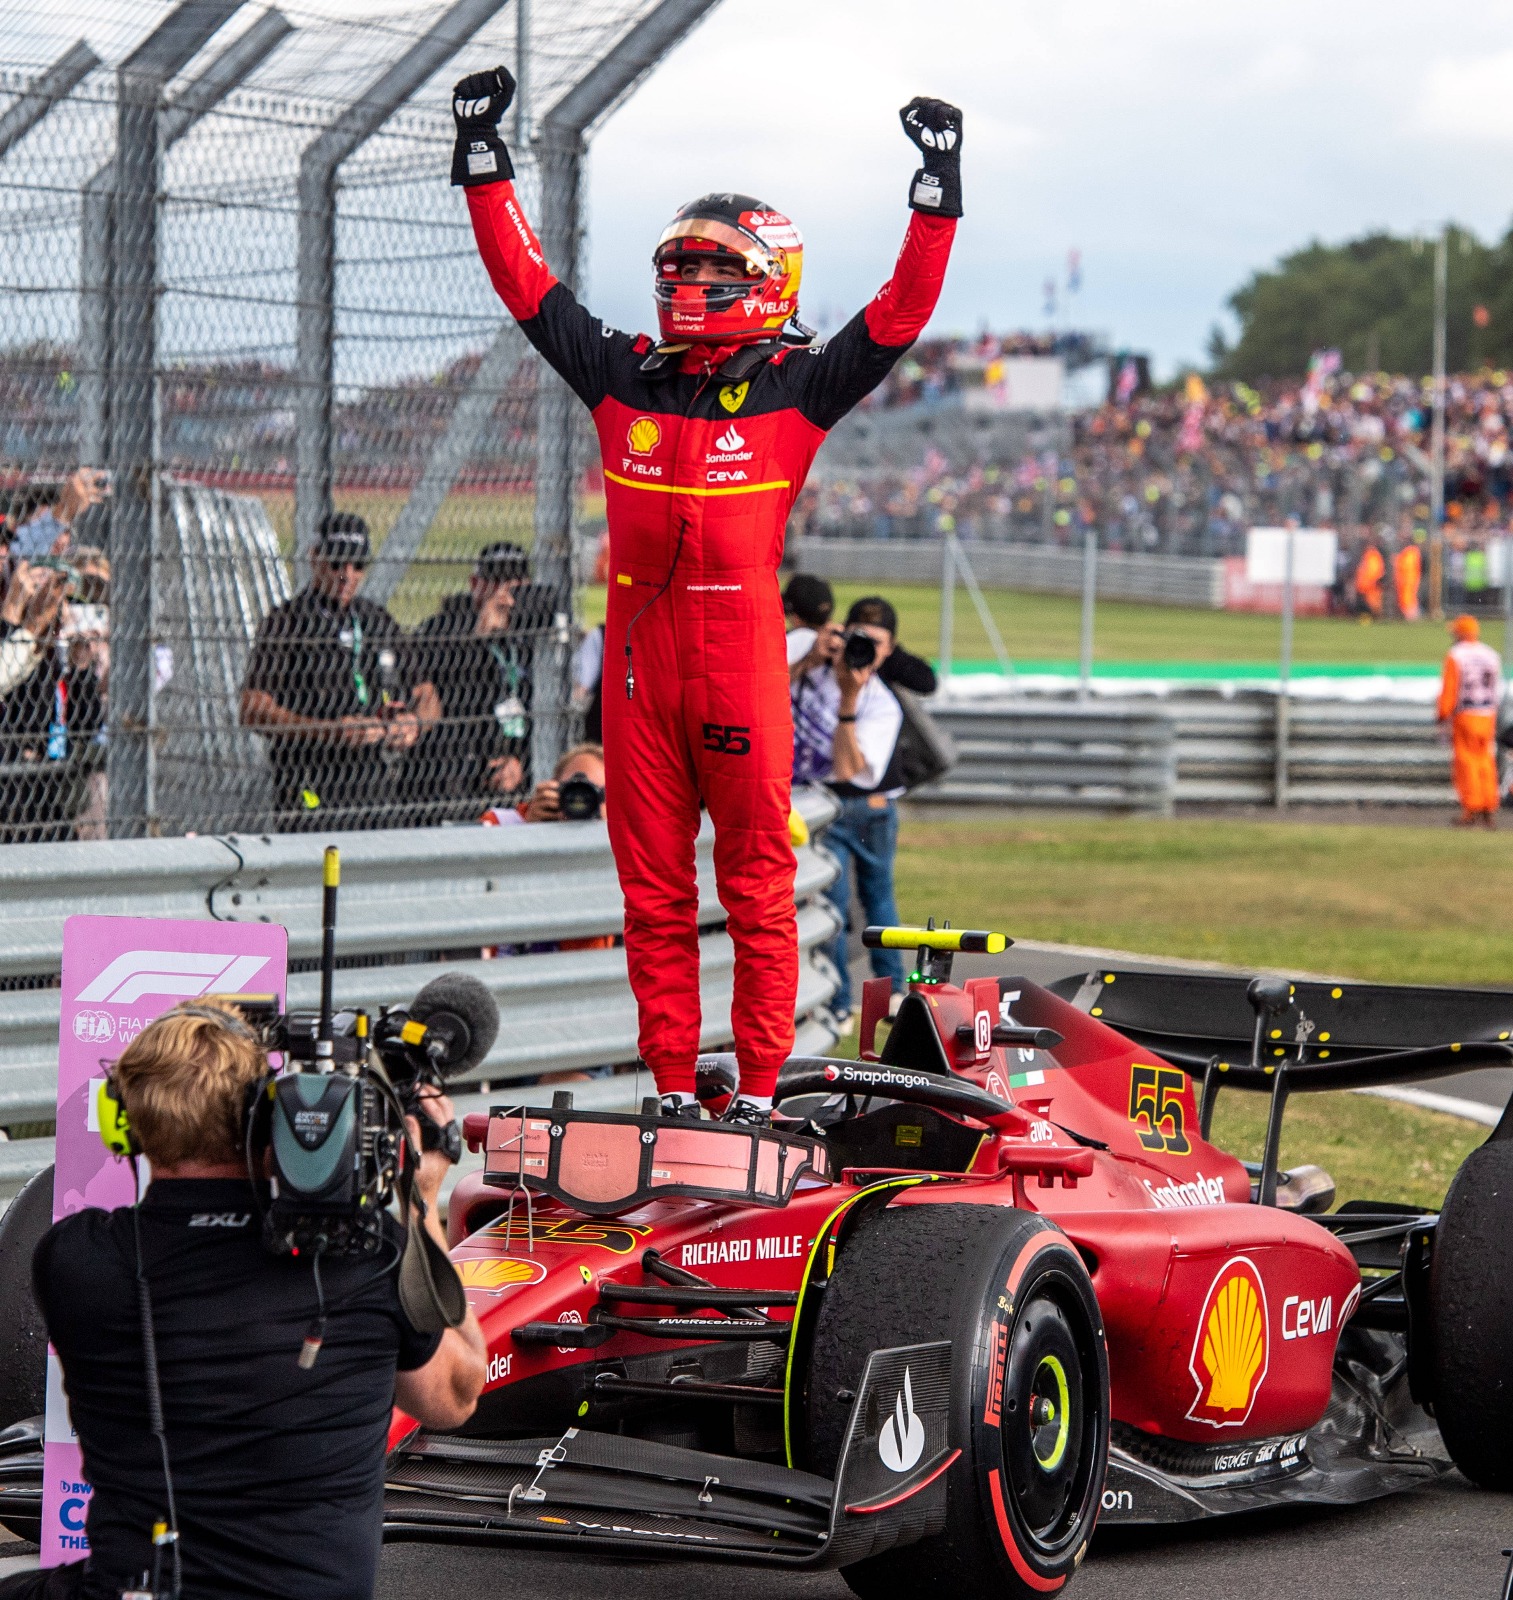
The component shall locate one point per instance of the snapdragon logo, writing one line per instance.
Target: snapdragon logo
(182, 973)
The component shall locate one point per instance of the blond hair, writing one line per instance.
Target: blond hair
(184, 1082)
(568, 757)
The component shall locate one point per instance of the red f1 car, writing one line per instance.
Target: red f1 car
(974, 1291)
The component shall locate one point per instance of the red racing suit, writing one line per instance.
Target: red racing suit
(700, 473)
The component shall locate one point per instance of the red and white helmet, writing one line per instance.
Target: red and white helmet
(740, 230)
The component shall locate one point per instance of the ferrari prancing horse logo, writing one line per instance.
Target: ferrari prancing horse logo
(733, 394)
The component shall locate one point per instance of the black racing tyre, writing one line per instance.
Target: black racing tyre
(1029, 1391)
(1471, 1317)
(23, 1337)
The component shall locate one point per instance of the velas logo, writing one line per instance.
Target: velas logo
(493, 1275)
(135, 974)
(729, 440)
(766, 308)
(902, 1440)
(644, 436)
(1231, 1346)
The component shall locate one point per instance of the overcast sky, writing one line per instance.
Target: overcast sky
(1179, 143)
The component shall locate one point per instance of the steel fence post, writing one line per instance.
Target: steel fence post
(97, 220)
(133, 456)
(315, 263)
(57, 83)
(560, 161)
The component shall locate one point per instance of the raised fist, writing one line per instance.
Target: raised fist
(481, 98)
(935, 127)
(478, 102)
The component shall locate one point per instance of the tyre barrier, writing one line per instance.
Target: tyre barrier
(414, 902)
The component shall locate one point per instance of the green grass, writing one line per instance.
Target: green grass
(1046, 627)
(1383, 904)
(1373, 1149)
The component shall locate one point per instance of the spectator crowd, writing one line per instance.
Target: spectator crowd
(1188, 471)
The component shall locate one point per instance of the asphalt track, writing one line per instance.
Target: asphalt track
(1439, 1543)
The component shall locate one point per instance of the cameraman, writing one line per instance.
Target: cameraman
(277, 1470)
(846, 723)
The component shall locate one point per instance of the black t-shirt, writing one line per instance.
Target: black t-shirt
(484, 686)
(317, 660)
(278, 1472)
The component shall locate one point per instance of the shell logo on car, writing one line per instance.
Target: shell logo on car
(495, 1274)
(1231, 1346)
(644, 436)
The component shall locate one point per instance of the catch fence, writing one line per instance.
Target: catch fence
(236, 285)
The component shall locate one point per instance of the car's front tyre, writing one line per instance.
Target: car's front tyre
(1029, 1391)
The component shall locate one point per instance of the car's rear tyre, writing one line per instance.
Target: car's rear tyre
(23, 1335)
(1471, 1317)
(1029, 1391)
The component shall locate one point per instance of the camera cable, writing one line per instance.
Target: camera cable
(165, 1532)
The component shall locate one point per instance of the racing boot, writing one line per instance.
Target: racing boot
(746, 1113)
(675, 1106)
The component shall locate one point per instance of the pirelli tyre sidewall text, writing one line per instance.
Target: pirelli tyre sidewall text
(1029, 1390)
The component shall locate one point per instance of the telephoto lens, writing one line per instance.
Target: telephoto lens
(579, 798)
(859, 650)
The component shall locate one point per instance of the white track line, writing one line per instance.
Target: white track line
(1449, 1104)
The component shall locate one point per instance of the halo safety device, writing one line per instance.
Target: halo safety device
(739, 231)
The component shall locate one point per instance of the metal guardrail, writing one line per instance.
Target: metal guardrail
(1339, 752)
(1196, 581)
(1093, 757)
(1192, 748)
(425, 899)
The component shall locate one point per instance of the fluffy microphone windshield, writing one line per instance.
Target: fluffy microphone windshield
(457, 1009)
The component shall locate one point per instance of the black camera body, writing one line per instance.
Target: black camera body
(579, 798)
(334, 1119)
(858, 649)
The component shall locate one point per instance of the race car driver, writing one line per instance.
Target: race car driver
(706, 437)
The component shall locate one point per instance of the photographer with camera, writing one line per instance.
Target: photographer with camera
(846, 723)
(573, 793)
(479, 669)
(275, 1459)
(328, 685)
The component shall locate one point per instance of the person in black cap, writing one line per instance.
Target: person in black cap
(328, 685)
(478, 666)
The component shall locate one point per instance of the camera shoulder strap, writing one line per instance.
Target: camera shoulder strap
(430, 1292)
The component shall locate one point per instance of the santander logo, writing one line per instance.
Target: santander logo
(902, 1440)
(729, 440)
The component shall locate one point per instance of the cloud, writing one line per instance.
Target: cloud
(1469, 98)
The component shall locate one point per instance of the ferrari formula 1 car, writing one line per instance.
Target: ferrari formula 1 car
(976, 1290)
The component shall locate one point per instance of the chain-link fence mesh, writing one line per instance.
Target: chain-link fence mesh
(237, 295)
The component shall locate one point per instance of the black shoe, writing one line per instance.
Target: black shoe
(689, 1110)
(746, 1113)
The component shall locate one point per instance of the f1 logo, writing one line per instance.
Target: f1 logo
(137, 973)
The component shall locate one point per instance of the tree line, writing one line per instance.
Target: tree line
(1372, 299)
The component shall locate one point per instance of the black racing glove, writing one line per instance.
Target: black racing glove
(478, 102)
(935, 126)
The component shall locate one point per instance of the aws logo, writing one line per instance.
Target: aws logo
(644, 436)
(1230, 1348)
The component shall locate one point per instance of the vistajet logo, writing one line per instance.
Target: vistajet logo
(181, 973)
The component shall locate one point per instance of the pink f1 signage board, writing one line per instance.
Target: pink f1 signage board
(119, 973)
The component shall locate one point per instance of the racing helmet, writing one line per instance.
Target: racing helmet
(739, 230)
